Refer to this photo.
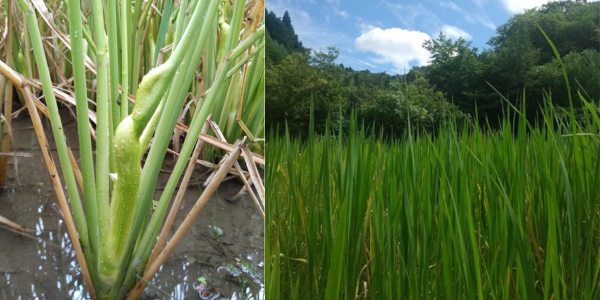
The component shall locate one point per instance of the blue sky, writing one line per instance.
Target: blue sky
(386, 35)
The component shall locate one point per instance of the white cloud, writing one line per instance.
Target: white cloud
(344, 14)
(396, 46)
(518, 6)
(344, 58)
(485, 21)
(412, 14)
(454, 32)
(452, 6)
(364, 26)
(470, 16)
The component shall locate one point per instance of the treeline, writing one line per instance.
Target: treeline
(286, 40)
(459, 82)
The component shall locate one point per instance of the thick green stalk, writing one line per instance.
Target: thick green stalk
(113, 50)
(254, 114)
(227, 120)
(179, 23)
(57, 130)
(125, 17)
(187, 18)
(222, 112)
(253, 95)
(209, 104)
(114, 109)
(83, 127)
(225, 32)
(210, 52)
(229, 113)
(176, 95)
(89, 40)
(246, 43)
(162, 31)
(137, 7)
(251, 67)
(150, 45)
(254, 66)
(84, 30)
(155, 83)
(128, 154)
(150, 128)
(127, 158)
(195, 128)
(102, 126)
(137, 49)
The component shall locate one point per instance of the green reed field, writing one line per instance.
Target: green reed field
(467, 213)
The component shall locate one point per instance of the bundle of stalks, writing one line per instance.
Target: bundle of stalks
(129, 76)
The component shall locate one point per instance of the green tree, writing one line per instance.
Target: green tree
(418, 103)
(290, 87)
(325, 60)
(455, 69)
(274, 52)
(582, 68)
(282, 31)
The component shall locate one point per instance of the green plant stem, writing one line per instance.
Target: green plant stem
(222, 111)
(162, 31)
(254, 114)
(57, 130)
(252, 70)
(125, 20)
(83, 128)
(127, 156)
(89, 40)
(209, 64)
(195, 128)
(126, 201)
(221, 49)
(179, 27)
(185, 79)
(229, 107)
(103, 135)
(133, 27)
(157, 81)
(251, 55)
(246, 43)
(84, 30)
(114, 62)
(150, 128)
(137, 49)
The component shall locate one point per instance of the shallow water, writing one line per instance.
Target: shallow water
(41, 264)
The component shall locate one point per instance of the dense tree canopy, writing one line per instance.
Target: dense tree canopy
(282, 39)
(460, 80)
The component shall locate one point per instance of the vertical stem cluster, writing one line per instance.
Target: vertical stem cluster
(57, 130)
(115, 242)
(114, 62)
(83, 128)
(103, 135)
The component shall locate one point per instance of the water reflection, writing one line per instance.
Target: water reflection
(44, 266)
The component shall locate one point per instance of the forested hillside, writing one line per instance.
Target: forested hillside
(281, 37)
(457, 82)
